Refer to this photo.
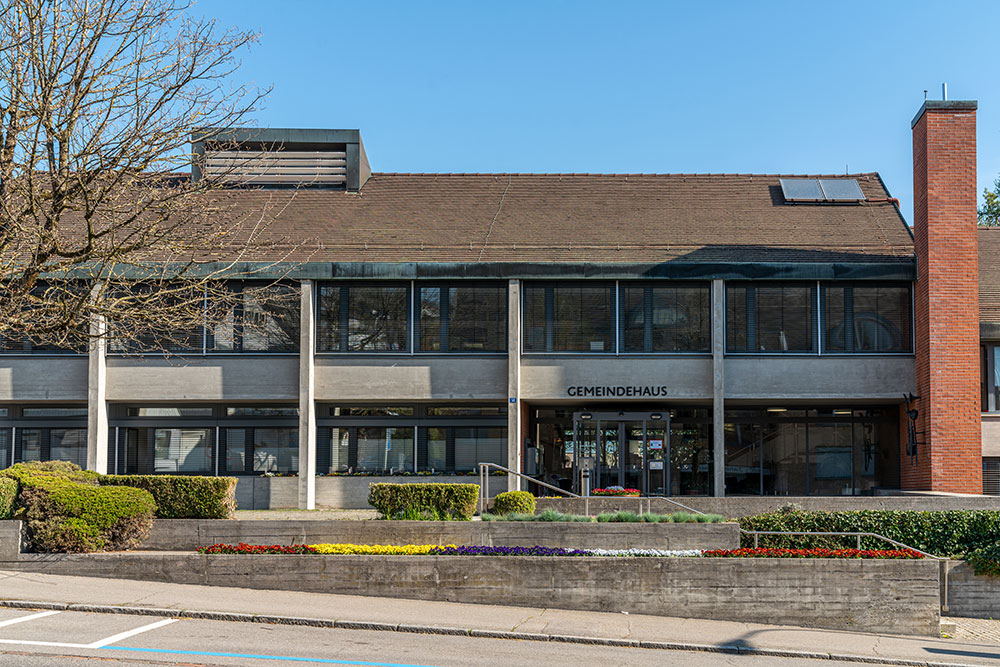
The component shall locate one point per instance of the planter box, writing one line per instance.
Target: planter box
(972, 596)
(343, 492)
(175, 534)
(881, 596)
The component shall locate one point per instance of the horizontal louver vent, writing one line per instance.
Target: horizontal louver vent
(277, 167)
(991, 476)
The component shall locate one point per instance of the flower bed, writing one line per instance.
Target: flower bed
(376, 549)
(765, 552)
(616, 491)
(242, 548)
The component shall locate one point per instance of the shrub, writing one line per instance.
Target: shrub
(953, 533)
(447, 502)
(182, 496)
(8, 494)
(986, 559)
(514, 502)
(66, 510)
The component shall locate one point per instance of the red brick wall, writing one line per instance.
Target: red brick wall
(946, 304)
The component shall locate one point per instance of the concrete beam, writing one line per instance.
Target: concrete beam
(307, 399)
(513, 383)
(719, 387)
(97, 393)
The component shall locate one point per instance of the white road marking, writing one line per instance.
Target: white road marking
(29, 617)
(131, 633)
(34, 643)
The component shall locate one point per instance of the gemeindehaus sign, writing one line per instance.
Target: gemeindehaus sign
(618, 391)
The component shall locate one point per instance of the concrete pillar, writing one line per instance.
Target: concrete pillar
(514, 383)
(97, 391)
(719, 387)
(307, 400)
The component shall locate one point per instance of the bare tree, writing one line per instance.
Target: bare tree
(98, 213)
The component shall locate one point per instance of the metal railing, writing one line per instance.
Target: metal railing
(484, 477)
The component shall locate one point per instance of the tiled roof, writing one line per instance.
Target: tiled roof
(989, 274)
(615, 218)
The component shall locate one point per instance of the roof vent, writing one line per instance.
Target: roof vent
(820, 190)
(281, 158)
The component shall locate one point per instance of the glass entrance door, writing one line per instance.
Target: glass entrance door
(625, 449)
(609, 469)
(634, 455)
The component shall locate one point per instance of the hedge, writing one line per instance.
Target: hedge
(184, 497)
(514, 502)
(8, 494)
(446, 502)
(952, 533)
(66, 511)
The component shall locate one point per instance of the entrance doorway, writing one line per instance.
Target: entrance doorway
(626, 449)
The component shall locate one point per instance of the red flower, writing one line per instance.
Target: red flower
(766, 552)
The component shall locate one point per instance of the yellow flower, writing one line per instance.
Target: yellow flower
(376, 549)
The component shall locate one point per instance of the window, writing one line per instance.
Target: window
(251, 411)
(569, 318)
(991, 476)
(5, 445)
(381, 449)
(467, 411)
(866, 318)
(370, 318)
(180, 449)
(264, 449)
(666, 319)
(461, 449)
(167, 411)
(54, 412)
(770, 318)
(261, 319)
(50, 444)
(463, 318)
(375, 411)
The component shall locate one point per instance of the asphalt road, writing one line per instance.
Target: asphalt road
(34, 639)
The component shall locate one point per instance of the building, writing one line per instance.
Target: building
(681, 334)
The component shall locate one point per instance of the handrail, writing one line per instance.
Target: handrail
(484, 477)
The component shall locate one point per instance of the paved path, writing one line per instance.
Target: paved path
(391, 613)
(307, 515)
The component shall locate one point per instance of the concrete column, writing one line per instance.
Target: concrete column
(97, 391)
(514, 383)
(719, 386)
(307, 400)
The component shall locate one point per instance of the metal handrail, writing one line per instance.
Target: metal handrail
(484, 477)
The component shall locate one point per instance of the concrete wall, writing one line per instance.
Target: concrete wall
(10, 540)
(341, 492)
(41, 378)
(972, 596)
(881, 596)
(403, 377)
(210, 378)
(737, 506)
(991, 434)
(829, 377)
(179, 534)
(549, 377)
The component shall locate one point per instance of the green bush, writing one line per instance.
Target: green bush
(182, 496)
(8, 494)
(66, 511)
(514, 502)
(953, 533)
(986, 559)
(445, 502)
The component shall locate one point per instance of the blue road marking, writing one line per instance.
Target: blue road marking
(256, 656)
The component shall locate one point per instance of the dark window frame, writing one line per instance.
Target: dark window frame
(752, 323)
(343, 324)
(550, 324)
(648, 319)
(445, 315)
(850, 313)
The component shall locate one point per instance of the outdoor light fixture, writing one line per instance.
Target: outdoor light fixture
(586, 416)
(841, 412)
(656, 416)
(777, 410)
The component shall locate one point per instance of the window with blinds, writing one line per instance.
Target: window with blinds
(388, 449)
(666, 318)
(363, 318)
(182, 450)
(861, 318)
(572, 317)
(462, 318)
(68, 444)
(257, 319)
(770, 318)
(5, 447)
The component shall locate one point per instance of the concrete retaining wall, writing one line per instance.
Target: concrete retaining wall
(178, 534)
(10, 539)
(345, 492)
(737, 506)
(972, 596)
(882, 596)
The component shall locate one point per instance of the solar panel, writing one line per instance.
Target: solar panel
(821, 190)
(841, 189)
(801, 189)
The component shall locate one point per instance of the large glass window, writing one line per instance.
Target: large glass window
(363, 318)
(264, 449)
(867, 318)
(462, 449)
(5, 447)
(770, 318)
(179, 449)
(666, 318)
(256, 320)
(572, 317)
(58, 444)
(385, 449)
(463, 318)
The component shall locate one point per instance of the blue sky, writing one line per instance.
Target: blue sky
(612, 87)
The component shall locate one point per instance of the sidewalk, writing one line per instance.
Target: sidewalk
(505, 619)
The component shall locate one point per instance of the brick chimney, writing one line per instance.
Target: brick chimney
(946, 301)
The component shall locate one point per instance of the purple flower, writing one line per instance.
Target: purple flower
(508, 551)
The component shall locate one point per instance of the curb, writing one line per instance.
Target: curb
(733, 649)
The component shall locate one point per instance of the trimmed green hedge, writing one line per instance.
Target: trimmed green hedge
(184, 497)
(442, 502)
(986, 559)
(66, 511)
(514, 502)
(8, 494)
(952, 533)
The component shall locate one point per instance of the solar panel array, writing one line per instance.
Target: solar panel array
(821, 190)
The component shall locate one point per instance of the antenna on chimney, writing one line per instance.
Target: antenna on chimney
(944, 91)
(925, 94)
